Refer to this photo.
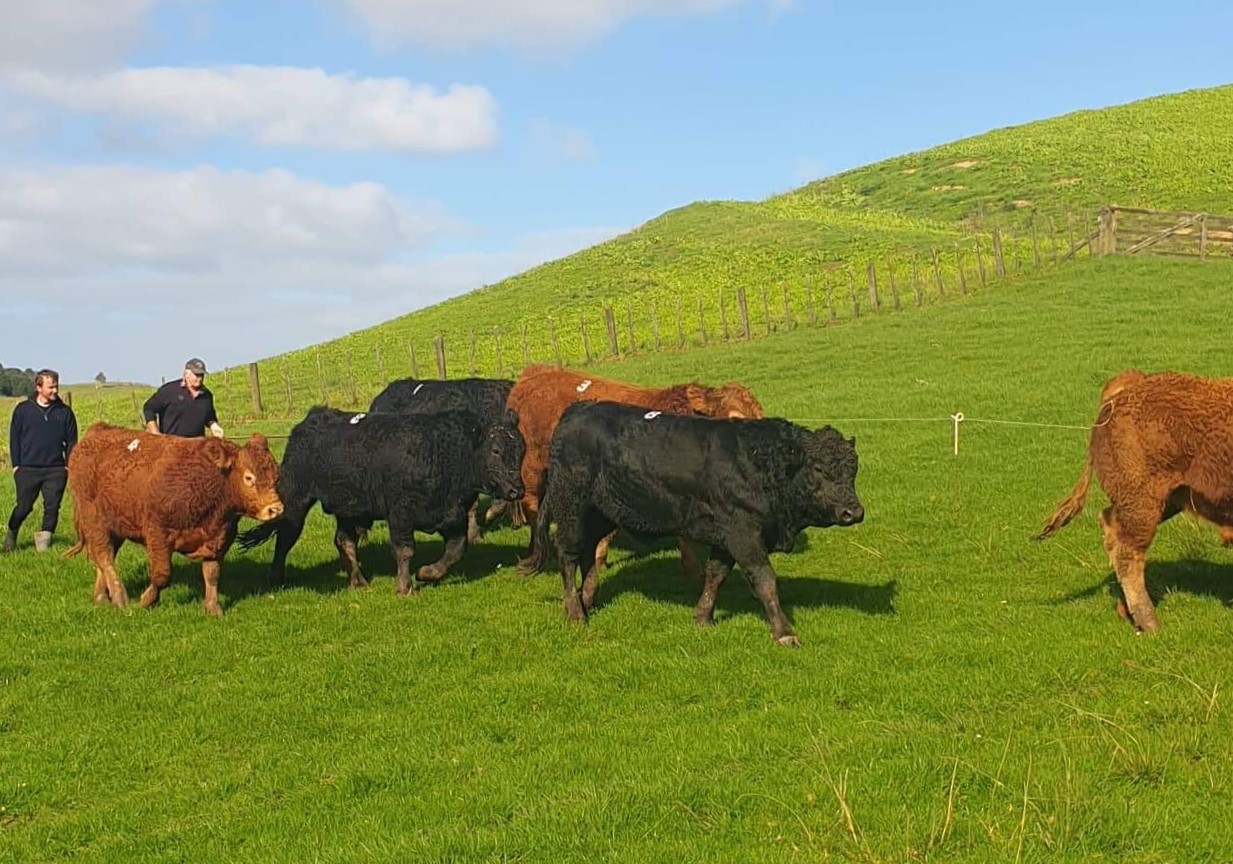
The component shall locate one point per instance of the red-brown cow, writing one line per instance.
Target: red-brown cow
(1162, 444)
(542, 393)
(169, 494)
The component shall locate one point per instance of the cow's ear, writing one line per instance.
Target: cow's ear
(216, 452)
(258, 441)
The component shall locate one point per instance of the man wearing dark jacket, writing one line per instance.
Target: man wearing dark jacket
(185, 407)
(42, 434)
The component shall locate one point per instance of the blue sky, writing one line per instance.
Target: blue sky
(280, 173)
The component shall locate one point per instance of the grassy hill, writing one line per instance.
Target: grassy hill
(962, 694)
(818, 240)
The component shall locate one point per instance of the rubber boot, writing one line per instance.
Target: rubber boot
(42, 540)
(10, 540)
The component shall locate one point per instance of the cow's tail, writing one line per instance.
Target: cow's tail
(80, 544)
(257, 535)
(1071, 505)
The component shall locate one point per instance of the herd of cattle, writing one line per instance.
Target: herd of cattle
(592, 455)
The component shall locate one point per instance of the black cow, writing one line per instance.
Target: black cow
(745, 487)
(485, 397)
(417, 472)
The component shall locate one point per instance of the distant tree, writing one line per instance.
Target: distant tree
(100, 379)
(16, 382)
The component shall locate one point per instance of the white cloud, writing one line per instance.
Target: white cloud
(73, 35)
(82, 221)
(574, 144)
(533, 24)
(278, 106)
(113, 259)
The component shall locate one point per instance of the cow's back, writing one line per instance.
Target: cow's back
(1169, 427)
(486, 397)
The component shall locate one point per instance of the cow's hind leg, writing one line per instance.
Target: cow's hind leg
(570, 537)
(102, 582)
(345, 540)
(598, 531)
(714, 572)
(1128, 533)
(402, 542)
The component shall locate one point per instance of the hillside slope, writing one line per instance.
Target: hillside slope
(686, 265)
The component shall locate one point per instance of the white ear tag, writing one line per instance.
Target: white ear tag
(651, 415)
(356, 419)
(582, 388)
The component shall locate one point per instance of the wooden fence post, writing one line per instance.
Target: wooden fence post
(496, 338)
(1070, 232)
(809, 304)
(788, 321)
(766, 310)
(381, 367)
(351, 380)
(629, 322)
(526, 347)
(723, 316)
(937, 274)
(916, 289)
(998, 262)
(287, 384)
(1091, 253)
(742, 309)
(1035, 245)
(556, 345)
(1053, 238)
(828, 288)
(415, 366)
(654, 325)
(1111, 247)
(701, 320)
(586, 339)
(321, 380)
(680, 324)
(610, 323)
(438, 344)
(980, 262)
(1203, 237)
(474, 370)
(856, 303)
(871, 276)
(890, 270)
(963, 280)
(137, 415)
(254, 387)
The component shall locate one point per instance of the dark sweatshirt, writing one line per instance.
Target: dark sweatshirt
(42, 437)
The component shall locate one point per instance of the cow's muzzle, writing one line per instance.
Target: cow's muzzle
(851, 515)
(270, 511)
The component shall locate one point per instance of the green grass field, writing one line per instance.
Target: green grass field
(962, 694)
(1167, 152)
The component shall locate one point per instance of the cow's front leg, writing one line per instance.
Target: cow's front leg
(757, 569)
(210, 570)
(158, 551)
(455, 544)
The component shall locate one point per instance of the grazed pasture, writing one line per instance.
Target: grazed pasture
(962, 693)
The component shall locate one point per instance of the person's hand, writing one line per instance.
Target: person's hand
(216, 430)
(14, 469)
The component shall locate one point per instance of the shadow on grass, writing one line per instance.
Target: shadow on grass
(243, 576)
(662, 580)
(1188, 575)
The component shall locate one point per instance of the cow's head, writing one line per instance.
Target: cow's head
(252, 475)
(730, 400)
(502, 451)
(827, 479)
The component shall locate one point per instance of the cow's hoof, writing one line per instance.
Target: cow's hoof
(149, 598)
(430, 573)
(357, 582)
(102, 597)
(789, 641)
(704, 620)
(214, 610)
(1149, 625)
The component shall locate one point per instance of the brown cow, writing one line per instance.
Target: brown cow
(1162, 444)
(543, 392)
(169, 494)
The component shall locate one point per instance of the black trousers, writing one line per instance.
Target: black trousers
(30, 482)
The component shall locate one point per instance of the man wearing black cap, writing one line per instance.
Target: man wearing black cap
(184, 407)
(42, 434)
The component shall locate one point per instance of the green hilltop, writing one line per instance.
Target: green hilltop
(799, 256)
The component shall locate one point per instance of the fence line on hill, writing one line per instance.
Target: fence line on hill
(836, 291)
